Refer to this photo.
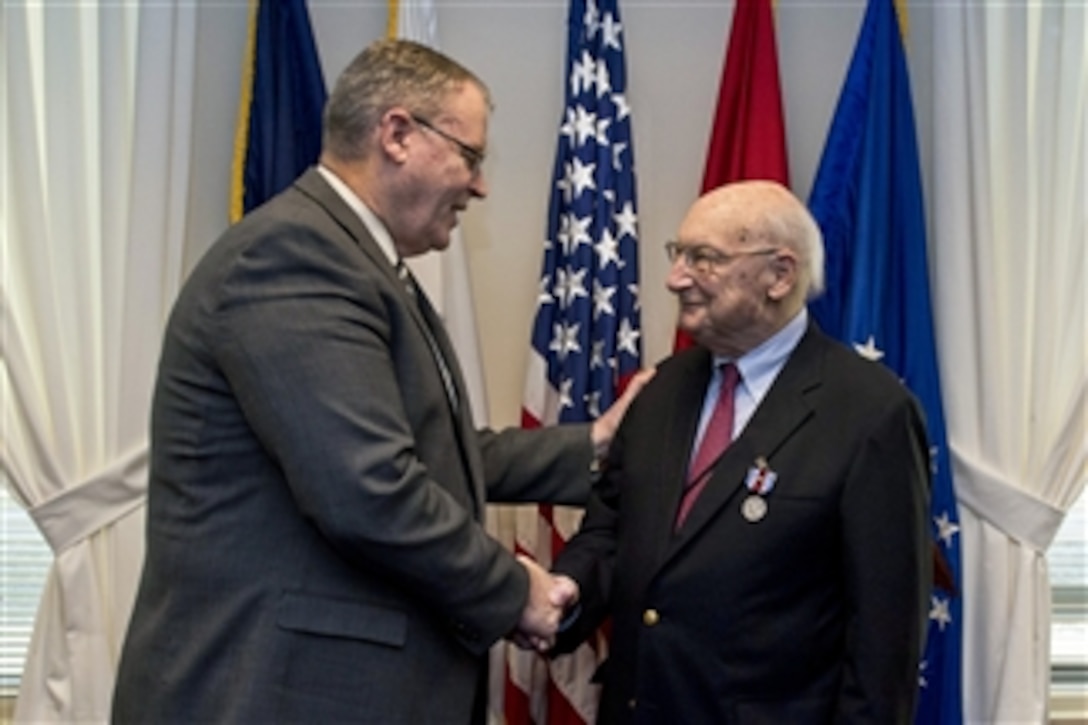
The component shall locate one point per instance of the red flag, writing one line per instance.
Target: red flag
(748, 139)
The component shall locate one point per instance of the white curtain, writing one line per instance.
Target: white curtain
(1009, 205)
(96, 140)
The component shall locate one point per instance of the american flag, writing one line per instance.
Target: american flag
(586, 336)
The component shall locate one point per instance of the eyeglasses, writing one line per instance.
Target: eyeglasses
(703, 259)
(474, 157)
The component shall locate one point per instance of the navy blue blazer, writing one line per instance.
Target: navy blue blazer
(813, 613)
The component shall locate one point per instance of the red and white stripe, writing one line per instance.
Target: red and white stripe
(538, 690)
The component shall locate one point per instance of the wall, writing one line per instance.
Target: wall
(674, 54)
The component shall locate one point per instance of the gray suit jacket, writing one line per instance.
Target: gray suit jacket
(812, 614)
(315, 550)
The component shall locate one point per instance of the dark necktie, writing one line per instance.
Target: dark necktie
(423, 305)
(716, 438)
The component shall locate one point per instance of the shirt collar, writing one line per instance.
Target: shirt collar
(370, 220)
(759, 366)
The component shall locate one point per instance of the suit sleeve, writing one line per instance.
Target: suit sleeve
(888, 568)
(545, 464)
(589, 556)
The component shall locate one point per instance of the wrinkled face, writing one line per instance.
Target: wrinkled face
(722, 278)
(442, 170)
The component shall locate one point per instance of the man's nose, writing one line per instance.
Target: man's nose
(679, 277)
(478, 187)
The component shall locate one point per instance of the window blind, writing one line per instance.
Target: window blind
(24, 562)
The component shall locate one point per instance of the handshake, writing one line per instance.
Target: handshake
(550, 597)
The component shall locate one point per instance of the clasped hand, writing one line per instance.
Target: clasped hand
(550, 596)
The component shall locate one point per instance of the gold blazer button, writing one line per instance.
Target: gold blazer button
(650, 617)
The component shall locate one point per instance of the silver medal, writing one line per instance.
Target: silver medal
(754, 509)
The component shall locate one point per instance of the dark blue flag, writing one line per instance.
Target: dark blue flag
(867, 199)
(283, 95)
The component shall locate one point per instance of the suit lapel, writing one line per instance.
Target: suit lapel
(681, 421)
(460, 409)
(429, 323)
(781, 413)
(313, 185)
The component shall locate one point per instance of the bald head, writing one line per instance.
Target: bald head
(762, 213)
(745, 259)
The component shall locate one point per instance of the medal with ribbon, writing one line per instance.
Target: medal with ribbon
(760, 481)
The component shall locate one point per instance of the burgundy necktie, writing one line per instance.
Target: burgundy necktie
(716, 438)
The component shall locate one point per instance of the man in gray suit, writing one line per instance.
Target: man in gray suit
(315, 540)
(783, 576)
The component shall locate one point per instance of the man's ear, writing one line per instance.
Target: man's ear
(394, 130)
(784, 268)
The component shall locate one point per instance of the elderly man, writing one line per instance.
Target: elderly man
(759, 537)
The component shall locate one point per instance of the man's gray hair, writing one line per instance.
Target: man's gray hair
(386, 74)
(794, 226)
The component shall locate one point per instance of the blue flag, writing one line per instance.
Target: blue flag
(283, 96)
(867, 199)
